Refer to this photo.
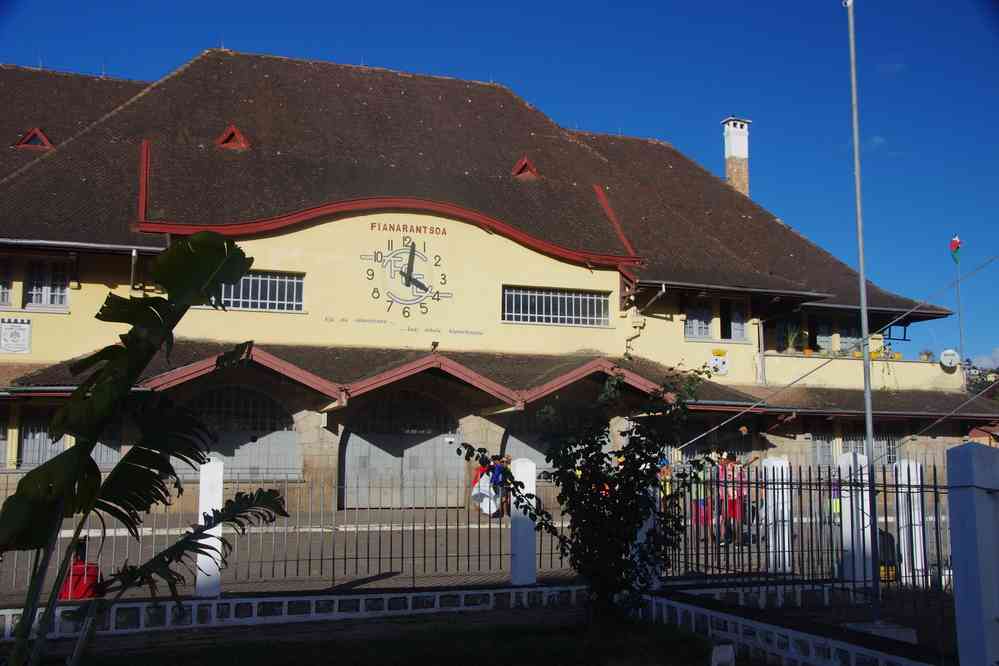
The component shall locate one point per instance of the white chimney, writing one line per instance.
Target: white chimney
(737, 153)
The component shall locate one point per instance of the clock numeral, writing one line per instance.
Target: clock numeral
(437, 260)
(437, 296)
(370, 273)
(407, 241)
(389, 308)
(379, 256)
(405, 312)
(424, 309)
(375, 294)
(443, 279)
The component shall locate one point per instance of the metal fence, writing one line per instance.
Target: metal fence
(415, 535)
(783, 524)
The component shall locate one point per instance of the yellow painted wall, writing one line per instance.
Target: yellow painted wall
(340, 308)
(472, 268)
(848, 373)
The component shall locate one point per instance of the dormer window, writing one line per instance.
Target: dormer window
(232, 139)
(524, 169)
(35, 139)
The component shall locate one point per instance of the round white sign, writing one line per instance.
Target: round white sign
(950, 358)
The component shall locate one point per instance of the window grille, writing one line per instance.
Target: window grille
(885, 445)
(564, 307)
(405, 412)
(47, 285)
(231, 408)
(36, 446)
(698, 322)
(822, 448)
(5, 290)
(265, 290)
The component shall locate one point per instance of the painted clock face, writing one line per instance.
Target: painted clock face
(407, 277)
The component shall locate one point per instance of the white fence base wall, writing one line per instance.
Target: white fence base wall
(766, 642)
(131, 617)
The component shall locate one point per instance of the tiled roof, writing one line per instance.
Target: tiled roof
(347, 365)
(851, 401)
(59, 104)
(321, 133)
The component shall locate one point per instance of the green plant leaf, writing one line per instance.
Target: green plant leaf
(110, 353)
(192, 270)
(171, 565)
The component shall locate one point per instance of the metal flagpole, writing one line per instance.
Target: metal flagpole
(864, 329)
(960, 323)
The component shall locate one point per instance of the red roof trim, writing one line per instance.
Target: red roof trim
(34, 133)
(232, 139)
(596, 365)
(429, 362)
(143, 180)
(207, 365)
(524, 169)
(612, 216)
(374, 204)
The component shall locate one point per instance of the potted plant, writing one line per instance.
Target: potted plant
(926, 355)
(793, 333)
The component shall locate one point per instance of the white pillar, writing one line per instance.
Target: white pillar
(856, 565)
(911, 531)
(777, 513)
(973, 478)
(209, 583)
(523, 537)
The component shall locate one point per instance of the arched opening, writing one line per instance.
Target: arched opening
(399, 451)
(257, 438)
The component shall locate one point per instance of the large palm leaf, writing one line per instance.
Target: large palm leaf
(172, 565)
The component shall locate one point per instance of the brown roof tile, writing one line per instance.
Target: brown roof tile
(321, 132)
(816, 399)
(58, 103)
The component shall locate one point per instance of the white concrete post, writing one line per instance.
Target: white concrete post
(856, 565)
(973, 480)
(523, 537)
(777, 513)
(911, 531)
(209, 583)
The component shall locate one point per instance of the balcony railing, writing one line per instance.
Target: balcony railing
(848, 372)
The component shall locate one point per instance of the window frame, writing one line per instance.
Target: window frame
(555, 306)
(46, 287)
(688, 319)
(280, 283)
(735, 305)
(6, 282)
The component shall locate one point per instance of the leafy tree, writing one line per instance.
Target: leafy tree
(623, 532)
(190, 272)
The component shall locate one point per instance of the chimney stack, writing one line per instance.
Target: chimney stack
(737, 153)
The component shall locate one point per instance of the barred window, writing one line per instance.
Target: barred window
(265, 290)
(556, 306)
(885, 445)
(231, 408)
(698, 322)
(47, 285)
(5, 281)
(36, 446)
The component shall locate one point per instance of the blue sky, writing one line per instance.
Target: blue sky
(669, 70)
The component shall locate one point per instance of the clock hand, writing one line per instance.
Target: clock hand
(407, 277)
(419, 284)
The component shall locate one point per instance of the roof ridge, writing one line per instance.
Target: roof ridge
(131, 100)
(60, 72)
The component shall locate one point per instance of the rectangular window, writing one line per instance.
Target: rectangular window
(5, 289)
(698, 322)
(266, 290)
(885, 445)
(36, 446)
(733, 319)
(565, 307)
(47, 285)
(849, 339)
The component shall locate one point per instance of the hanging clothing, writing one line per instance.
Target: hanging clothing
(485, 496)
